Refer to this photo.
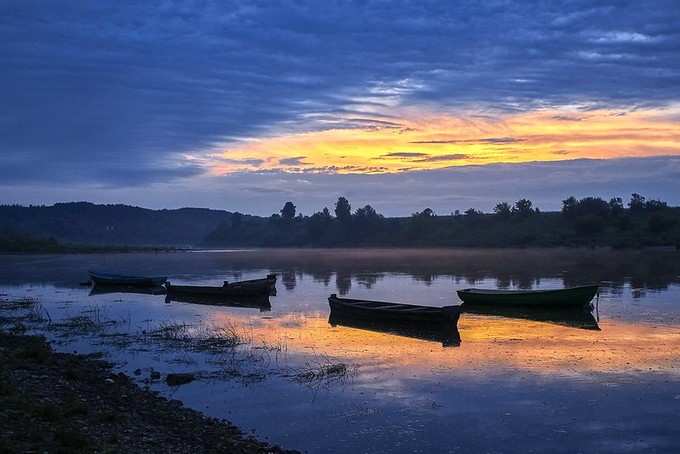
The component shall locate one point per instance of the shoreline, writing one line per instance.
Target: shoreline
(235, 249)
(65, 402)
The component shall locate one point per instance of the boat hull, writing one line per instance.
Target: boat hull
(256, 287)
(378, 310)
(108, 279)
(443, 331)
(575, 296)
(260, 302)
(571, 316)
(105, 289)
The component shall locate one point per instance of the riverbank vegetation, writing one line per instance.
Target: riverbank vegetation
(15, 243)
(590, 221)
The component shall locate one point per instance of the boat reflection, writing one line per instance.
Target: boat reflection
(445, 332)
(255, 302)
(576, 317)
(100, 289)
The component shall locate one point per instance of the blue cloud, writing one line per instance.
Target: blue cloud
(444, 190)
(119, 93)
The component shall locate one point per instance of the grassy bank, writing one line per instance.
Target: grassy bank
(56, 402)
(23, 244)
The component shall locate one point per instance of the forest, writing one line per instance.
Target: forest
(589, 222)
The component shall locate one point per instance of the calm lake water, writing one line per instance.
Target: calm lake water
(610, 383)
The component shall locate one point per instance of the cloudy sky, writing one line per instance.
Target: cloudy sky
(404, 105)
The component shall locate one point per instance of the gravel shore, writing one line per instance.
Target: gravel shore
(56, 402)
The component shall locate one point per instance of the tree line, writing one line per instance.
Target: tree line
(589, 221)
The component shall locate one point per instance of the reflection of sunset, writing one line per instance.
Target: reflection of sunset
(420, 140)
(490, 345)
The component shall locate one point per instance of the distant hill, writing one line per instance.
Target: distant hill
(590, 221)
(88, 223)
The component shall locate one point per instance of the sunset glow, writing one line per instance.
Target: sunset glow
(419, 141)
(488, 344)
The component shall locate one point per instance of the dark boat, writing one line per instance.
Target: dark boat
(380, 310)
(102, 289)
(254, 287)
(254, 302)
(443, 331)
(131, 281)
(574, 296)
(571, 316)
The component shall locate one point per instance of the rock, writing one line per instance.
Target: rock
(179, 379)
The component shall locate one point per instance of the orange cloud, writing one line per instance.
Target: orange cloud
(420, 141)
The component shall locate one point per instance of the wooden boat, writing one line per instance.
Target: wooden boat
(252, 287)
(101, 289)
(571, 316)
(444, 331)
(131, 281)
(379, 310)
(574, 296)
(255, 302)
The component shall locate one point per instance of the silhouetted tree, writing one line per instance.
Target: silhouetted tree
(503, 209)
(523, 207)
(637, 203)
(655, 205)
(569, 206)
(616, 206)
(343, 210)
(366, 214)
(288, 211)
(319, 223)
(426, 213)
(659, 223)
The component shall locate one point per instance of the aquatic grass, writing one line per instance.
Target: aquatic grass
(278, 346)
(17, 304)
(170, 331)
(91, 321)
(323, 370)
(204, 339)
(27, 310)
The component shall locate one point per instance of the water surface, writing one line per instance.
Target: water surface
(511, 384)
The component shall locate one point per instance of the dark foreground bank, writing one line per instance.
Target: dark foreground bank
(56, 402)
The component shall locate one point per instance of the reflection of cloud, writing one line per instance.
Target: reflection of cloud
(545, 348)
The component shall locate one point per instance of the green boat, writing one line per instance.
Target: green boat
(574, 296)
(571, 316)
